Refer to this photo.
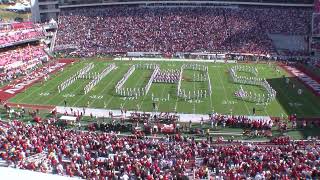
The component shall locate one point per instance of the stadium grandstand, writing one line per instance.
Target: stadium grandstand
(150, 89)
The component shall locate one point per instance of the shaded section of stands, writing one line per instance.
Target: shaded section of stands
(170, 30)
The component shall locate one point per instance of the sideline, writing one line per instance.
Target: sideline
(172, 60)
(105, 113)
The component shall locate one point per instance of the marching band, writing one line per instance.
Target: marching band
(72, 79)
(196, 94)
(260, 98)
(98, 78)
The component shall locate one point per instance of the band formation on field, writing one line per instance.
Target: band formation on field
(184, 87)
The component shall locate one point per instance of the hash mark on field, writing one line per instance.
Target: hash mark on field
(40, 89)
(159, 102)
(141, 77)
(252, 89)
(73, 91)
(224, 89)
(58, 75)
(102, 91)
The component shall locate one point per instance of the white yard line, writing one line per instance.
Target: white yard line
(158, 104)
(60, 94)
(176, 104)
(102, 91)
(39, 90)
(211, 103)
(136, 85)
(225, 92)
(255, 104)
(194, 103)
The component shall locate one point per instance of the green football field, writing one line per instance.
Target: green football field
(223, 100)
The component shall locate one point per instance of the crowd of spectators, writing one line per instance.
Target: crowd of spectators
(241, 121)
(316, 24)
(92, 155)
(12, 37)
(170, 30)
(294, 53)
(7, 27)
(317, 6)
(23, 54)
(24, 25)
(16, 56)
(18, 61)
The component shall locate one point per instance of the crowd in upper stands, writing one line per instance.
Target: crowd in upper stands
(170, 30)
(14, 37)
(19, 32)
(93, 155)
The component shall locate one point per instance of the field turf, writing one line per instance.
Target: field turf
(222, 100)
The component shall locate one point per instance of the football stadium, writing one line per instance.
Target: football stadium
(118, 89)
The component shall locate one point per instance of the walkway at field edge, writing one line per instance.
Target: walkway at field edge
(174, 60)
(117, 113)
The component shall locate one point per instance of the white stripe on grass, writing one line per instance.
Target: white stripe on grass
(163, 90)
(102, 91)
(176, 103)
(141, 78)
(211, 103)
(71, 92)
(194, 90)
(252, 89)
(225, 92)
(42, 87)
